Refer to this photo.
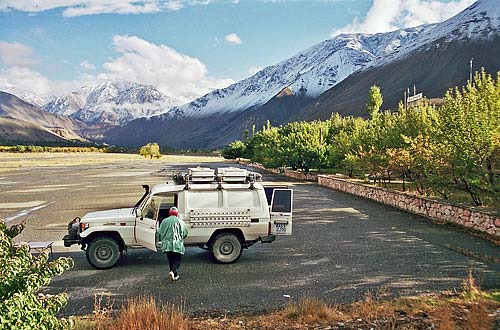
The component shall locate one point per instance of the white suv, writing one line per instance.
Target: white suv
(226, 210)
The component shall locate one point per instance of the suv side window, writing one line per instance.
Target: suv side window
(151, 208)
(157, 207)
(204, 199)
(243, 198)
(166, 202)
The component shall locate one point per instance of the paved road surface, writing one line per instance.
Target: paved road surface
(342, 246)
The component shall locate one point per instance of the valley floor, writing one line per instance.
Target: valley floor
(342, 246)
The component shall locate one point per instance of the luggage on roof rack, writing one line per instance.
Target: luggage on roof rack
(221, 174)
(201, 174)
(232, 174)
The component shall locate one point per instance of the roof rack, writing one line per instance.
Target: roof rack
(219, 175)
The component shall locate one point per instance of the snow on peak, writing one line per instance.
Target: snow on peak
(314, 70)
(112, 103)
(24, 95)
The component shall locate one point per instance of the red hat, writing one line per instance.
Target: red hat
(173, 211)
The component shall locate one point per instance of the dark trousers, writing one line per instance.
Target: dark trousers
(174, 261)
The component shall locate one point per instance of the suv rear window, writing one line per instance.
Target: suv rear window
(282, 201)
(269, 192)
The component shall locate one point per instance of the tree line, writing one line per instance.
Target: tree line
(37, 148)
(444, 151)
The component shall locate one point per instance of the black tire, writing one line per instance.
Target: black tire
(226, 248)
(103, 252)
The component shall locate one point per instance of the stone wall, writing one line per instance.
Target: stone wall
(439, 210)
(303, 176)
(297, 175)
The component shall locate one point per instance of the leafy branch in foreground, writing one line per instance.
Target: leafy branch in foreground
(22, 275)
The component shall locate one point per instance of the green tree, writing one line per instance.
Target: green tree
(303, 145)
(264, 147)
(375, 101)
(343, 140)
(22, 275)
(150, 150)
(470, 125)
(235, 150)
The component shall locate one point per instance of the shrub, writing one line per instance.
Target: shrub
(150, 150)
(22, 275)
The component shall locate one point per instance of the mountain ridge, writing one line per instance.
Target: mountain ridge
(112, 103)
(18, 114)
(332, 61)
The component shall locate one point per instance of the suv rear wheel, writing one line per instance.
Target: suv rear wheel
(103, 252)
(226, 248)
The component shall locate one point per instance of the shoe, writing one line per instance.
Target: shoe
(171, 276)
(176, 278)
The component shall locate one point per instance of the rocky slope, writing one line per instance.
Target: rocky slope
(37, 122)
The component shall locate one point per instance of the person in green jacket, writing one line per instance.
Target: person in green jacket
(172, 233)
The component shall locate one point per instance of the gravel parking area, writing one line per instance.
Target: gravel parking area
(342, 245)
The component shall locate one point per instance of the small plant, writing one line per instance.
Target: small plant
(471, 290)
(103, 309)
(22, 275)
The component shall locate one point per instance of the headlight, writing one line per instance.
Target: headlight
(83, 226)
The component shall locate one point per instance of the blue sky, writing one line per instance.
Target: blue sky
(184, 47)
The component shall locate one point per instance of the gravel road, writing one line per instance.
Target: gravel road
(342, 247)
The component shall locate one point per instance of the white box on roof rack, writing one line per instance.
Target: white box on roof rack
(201, 174)
(232, 174)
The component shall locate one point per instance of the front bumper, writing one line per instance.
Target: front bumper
(73, 236)
(68, 240)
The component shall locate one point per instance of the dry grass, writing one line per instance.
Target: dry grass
(312, 310)
(15, 161)
(470, 287)
(471, 309)
(144, 313)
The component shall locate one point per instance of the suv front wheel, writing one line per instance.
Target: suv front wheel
(103, 252)
(226, 248)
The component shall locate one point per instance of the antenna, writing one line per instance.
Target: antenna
(470, 70)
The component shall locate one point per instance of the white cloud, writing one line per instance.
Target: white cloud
(174, 5)
(24, 79)
(177, 75)
(389, 15)
(233, 39)
(88, 66)
(73, 8)
(17, 54)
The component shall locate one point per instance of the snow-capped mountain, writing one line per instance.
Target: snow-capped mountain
(281, 92)
(321, 67)
(24, 95)
(113, 103)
